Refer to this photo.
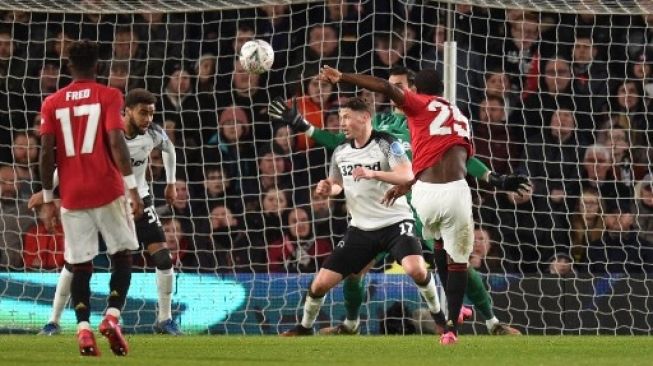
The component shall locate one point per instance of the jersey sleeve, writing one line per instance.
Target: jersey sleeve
(334, 169)
(112, 106)
(47, 120)
(394, 151)
(412, 105)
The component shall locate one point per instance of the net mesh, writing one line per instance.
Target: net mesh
(557, 90)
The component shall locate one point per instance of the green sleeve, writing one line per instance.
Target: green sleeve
(327, 139)
(476, 168)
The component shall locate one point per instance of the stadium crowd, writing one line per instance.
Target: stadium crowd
(563, 99)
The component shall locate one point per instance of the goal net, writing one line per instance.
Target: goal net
(558, 90)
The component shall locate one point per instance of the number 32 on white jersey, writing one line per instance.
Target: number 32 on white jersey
(460, 122)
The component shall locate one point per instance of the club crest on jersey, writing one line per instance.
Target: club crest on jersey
(348, 169)
(397, 149)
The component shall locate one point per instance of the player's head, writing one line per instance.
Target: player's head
(82, 59)
(355, 117)
(139, 109)
(403, 78)
(429, 82)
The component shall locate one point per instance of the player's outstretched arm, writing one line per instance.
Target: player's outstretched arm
(280, 111)
(505, 182)
(120, 154)
(400, 174)
(364, 81)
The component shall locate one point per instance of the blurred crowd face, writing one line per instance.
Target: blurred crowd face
(628, 95)
(557, 76)
(214, 183)
(271, 165)
(7, 182)
(590, 206)
(319, 91)
(243, 81)
(179, 82)
(182, 194)
(49, 77)
(584, 51)
(524, 32)
(6, 46)
(242, 36)
(560, 266)
(283, 139)
(298, 223)
(647, 194)
(25, 149)
(274, 201)
(61, 44)
(206, 68)
(597, 165)
(125, 45)
(233, 130)
(222, 217)
(323, 40)
(387, 52)
(562, 124)
(153, 18)
(496, 85)
(491, 111)
(174, 234)
(619, 221)
(617, 141)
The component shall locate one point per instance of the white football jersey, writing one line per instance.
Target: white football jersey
(382, 152)
(140, 148)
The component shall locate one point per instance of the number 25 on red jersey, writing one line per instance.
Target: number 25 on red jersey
(459, 125)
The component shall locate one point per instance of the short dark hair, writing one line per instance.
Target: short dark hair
(356, 104)
(83, 56)
(139, 96)
(402, 70)
(429, 82)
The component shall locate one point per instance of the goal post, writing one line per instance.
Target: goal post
(559, 90)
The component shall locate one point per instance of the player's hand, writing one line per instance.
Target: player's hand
(170, 193)
(511, 182)
(330, 75)
(48, 215)
(136, 203)
(35, 201)
(395, 192)
(363, 173)
(323, 188)
(279, 111)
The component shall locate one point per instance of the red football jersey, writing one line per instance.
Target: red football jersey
(80, 116)
(435, 126)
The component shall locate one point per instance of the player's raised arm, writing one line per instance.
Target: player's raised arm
(120, 154)
(364, 81)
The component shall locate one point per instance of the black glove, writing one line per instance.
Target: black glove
(509, 182)
(279, 111)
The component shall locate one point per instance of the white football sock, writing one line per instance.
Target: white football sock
(352, 324)
(61, 295)
(83, 325)
(311, 310)
(164, 284)
(113, 312)
(430, 295)
(490, 323)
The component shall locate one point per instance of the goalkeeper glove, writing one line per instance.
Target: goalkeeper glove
(279, 111)
(509, 182)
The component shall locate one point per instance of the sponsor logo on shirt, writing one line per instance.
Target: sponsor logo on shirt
(348, 169)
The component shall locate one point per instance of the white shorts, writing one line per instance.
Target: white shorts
(81, 227)
(446, 212)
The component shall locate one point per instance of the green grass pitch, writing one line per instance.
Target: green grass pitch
(350, 351)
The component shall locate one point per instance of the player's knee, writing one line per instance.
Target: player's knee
(81, 267)
(121, 260)
(415, 268)
(162, 259)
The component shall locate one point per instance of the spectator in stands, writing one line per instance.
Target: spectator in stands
(598, 172)
(388, 53)
(643, 209)
(468, 65)
(12, 69)
(161, 35)
(554, 93)
(43, 245)
(216, 190)
(176, 241)
(298, 250)
(494, 141)
(229, 53)
(497, 84)
(589, 75)
(48, 77)
(119, 76)
(246, 91)
(520, 52)
(205, 70)
(272, 174)
(57, 53)
(25, 153)
(561, 265)
(617, 141)
(619, 250)
(16, 219)
(178, 103)
(126, 48)
(587, 224)
(317, 98)
(321, 49)
(13, 72)
(181, 209)
(484, 255)
(263, 221)
(641, 69)
(230, 245)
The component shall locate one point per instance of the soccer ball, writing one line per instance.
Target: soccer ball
(256, 56)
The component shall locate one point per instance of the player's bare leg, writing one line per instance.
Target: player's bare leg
(351, 325)
(164, 284)
(415, 267)
(324, 281)
(118, 287)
